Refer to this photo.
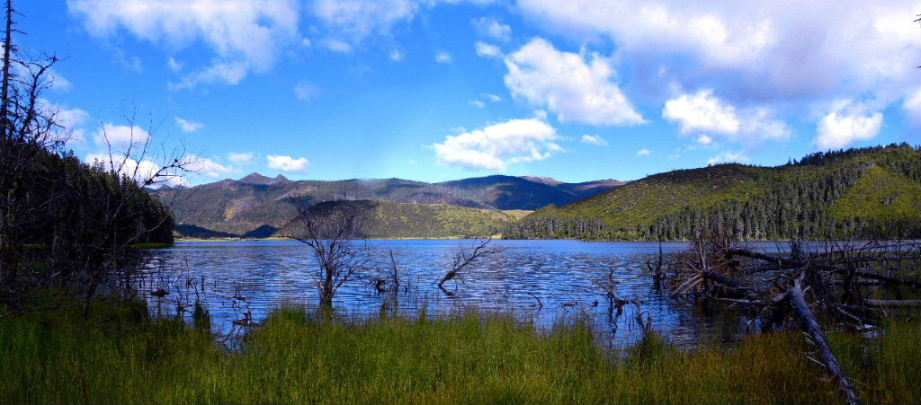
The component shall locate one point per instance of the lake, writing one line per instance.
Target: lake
(544, 281)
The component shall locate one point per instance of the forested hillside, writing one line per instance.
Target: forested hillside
(256, 205)
(384, 219)
(865, 192)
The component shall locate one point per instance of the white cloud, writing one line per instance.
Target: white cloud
(305, 91)
(206, 167)
(728, 157)
(337, 45)
(704, 112)
(496, 146)
(121, 136)
(352, 21)
(173, 65)
(492, 97)
(594, 140)
(912, 106)
(244, 35)
(487, 97)
(443, 57)
(753, 52)
(244, 157)
(140, 172)
(396, 55)
(287, 163)
(487, 50)
(491, 28)
(58, 81)
(847, 123)
(566, 83)
(188, 126)
(644, 152)
(69, 120)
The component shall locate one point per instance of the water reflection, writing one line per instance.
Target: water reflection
(545, 281)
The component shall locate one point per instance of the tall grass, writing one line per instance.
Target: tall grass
(119, 355)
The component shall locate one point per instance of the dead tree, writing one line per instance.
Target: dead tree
(810, 325)
(464, 257)
(331, 231)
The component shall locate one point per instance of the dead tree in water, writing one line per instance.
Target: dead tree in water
(331, 231)
(797, 285)
(464, 257)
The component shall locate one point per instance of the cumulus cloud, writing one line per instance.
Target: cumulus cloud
(58, 81)
(577, 89)
(704, 112)
(188, 126)
(206, 167)
(594, 140)
(728, 157)
(70, 121)
(244, 157)
(244, 35)
(121, 136)
(477, 103)
(489, 27)
(644, 152)
(847, 123)
(487, 50)
(754, 52)
(287, 163)
(496, 146)
(141, 172)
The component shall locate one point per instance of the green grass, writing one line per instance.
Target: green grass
(118, 355)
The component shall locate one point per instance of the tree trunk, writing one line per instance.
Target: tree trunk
(812, 327)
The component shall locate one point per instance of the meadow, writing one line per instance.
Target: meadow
(119, 354)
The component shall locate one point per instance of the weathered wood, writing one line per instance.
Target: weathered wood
(811, 326)
(787, 263)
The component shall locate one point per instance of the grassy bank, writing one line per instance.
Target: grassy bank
(118, 355)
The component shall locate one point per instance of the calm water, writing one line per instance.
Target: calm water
(541, 280)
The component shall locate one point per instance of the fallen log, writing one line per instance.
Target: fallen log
(787, 263)
(811, 326)
(726, 281)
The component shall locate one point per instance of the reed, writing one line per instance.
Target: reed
(120, 355)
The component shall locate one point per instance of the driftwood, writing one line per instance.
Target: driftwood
(811, 326)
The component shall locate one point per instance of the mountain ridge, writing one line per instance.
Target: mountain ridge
(255, 202)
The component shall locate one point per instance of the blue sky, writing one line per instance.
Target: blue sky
(436, 90)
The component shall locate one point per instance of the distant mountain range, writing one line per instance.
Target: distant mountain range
(868, 192)
(258, 206)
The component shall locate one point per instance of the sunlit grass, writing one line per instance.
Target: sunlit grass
(118, 355)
